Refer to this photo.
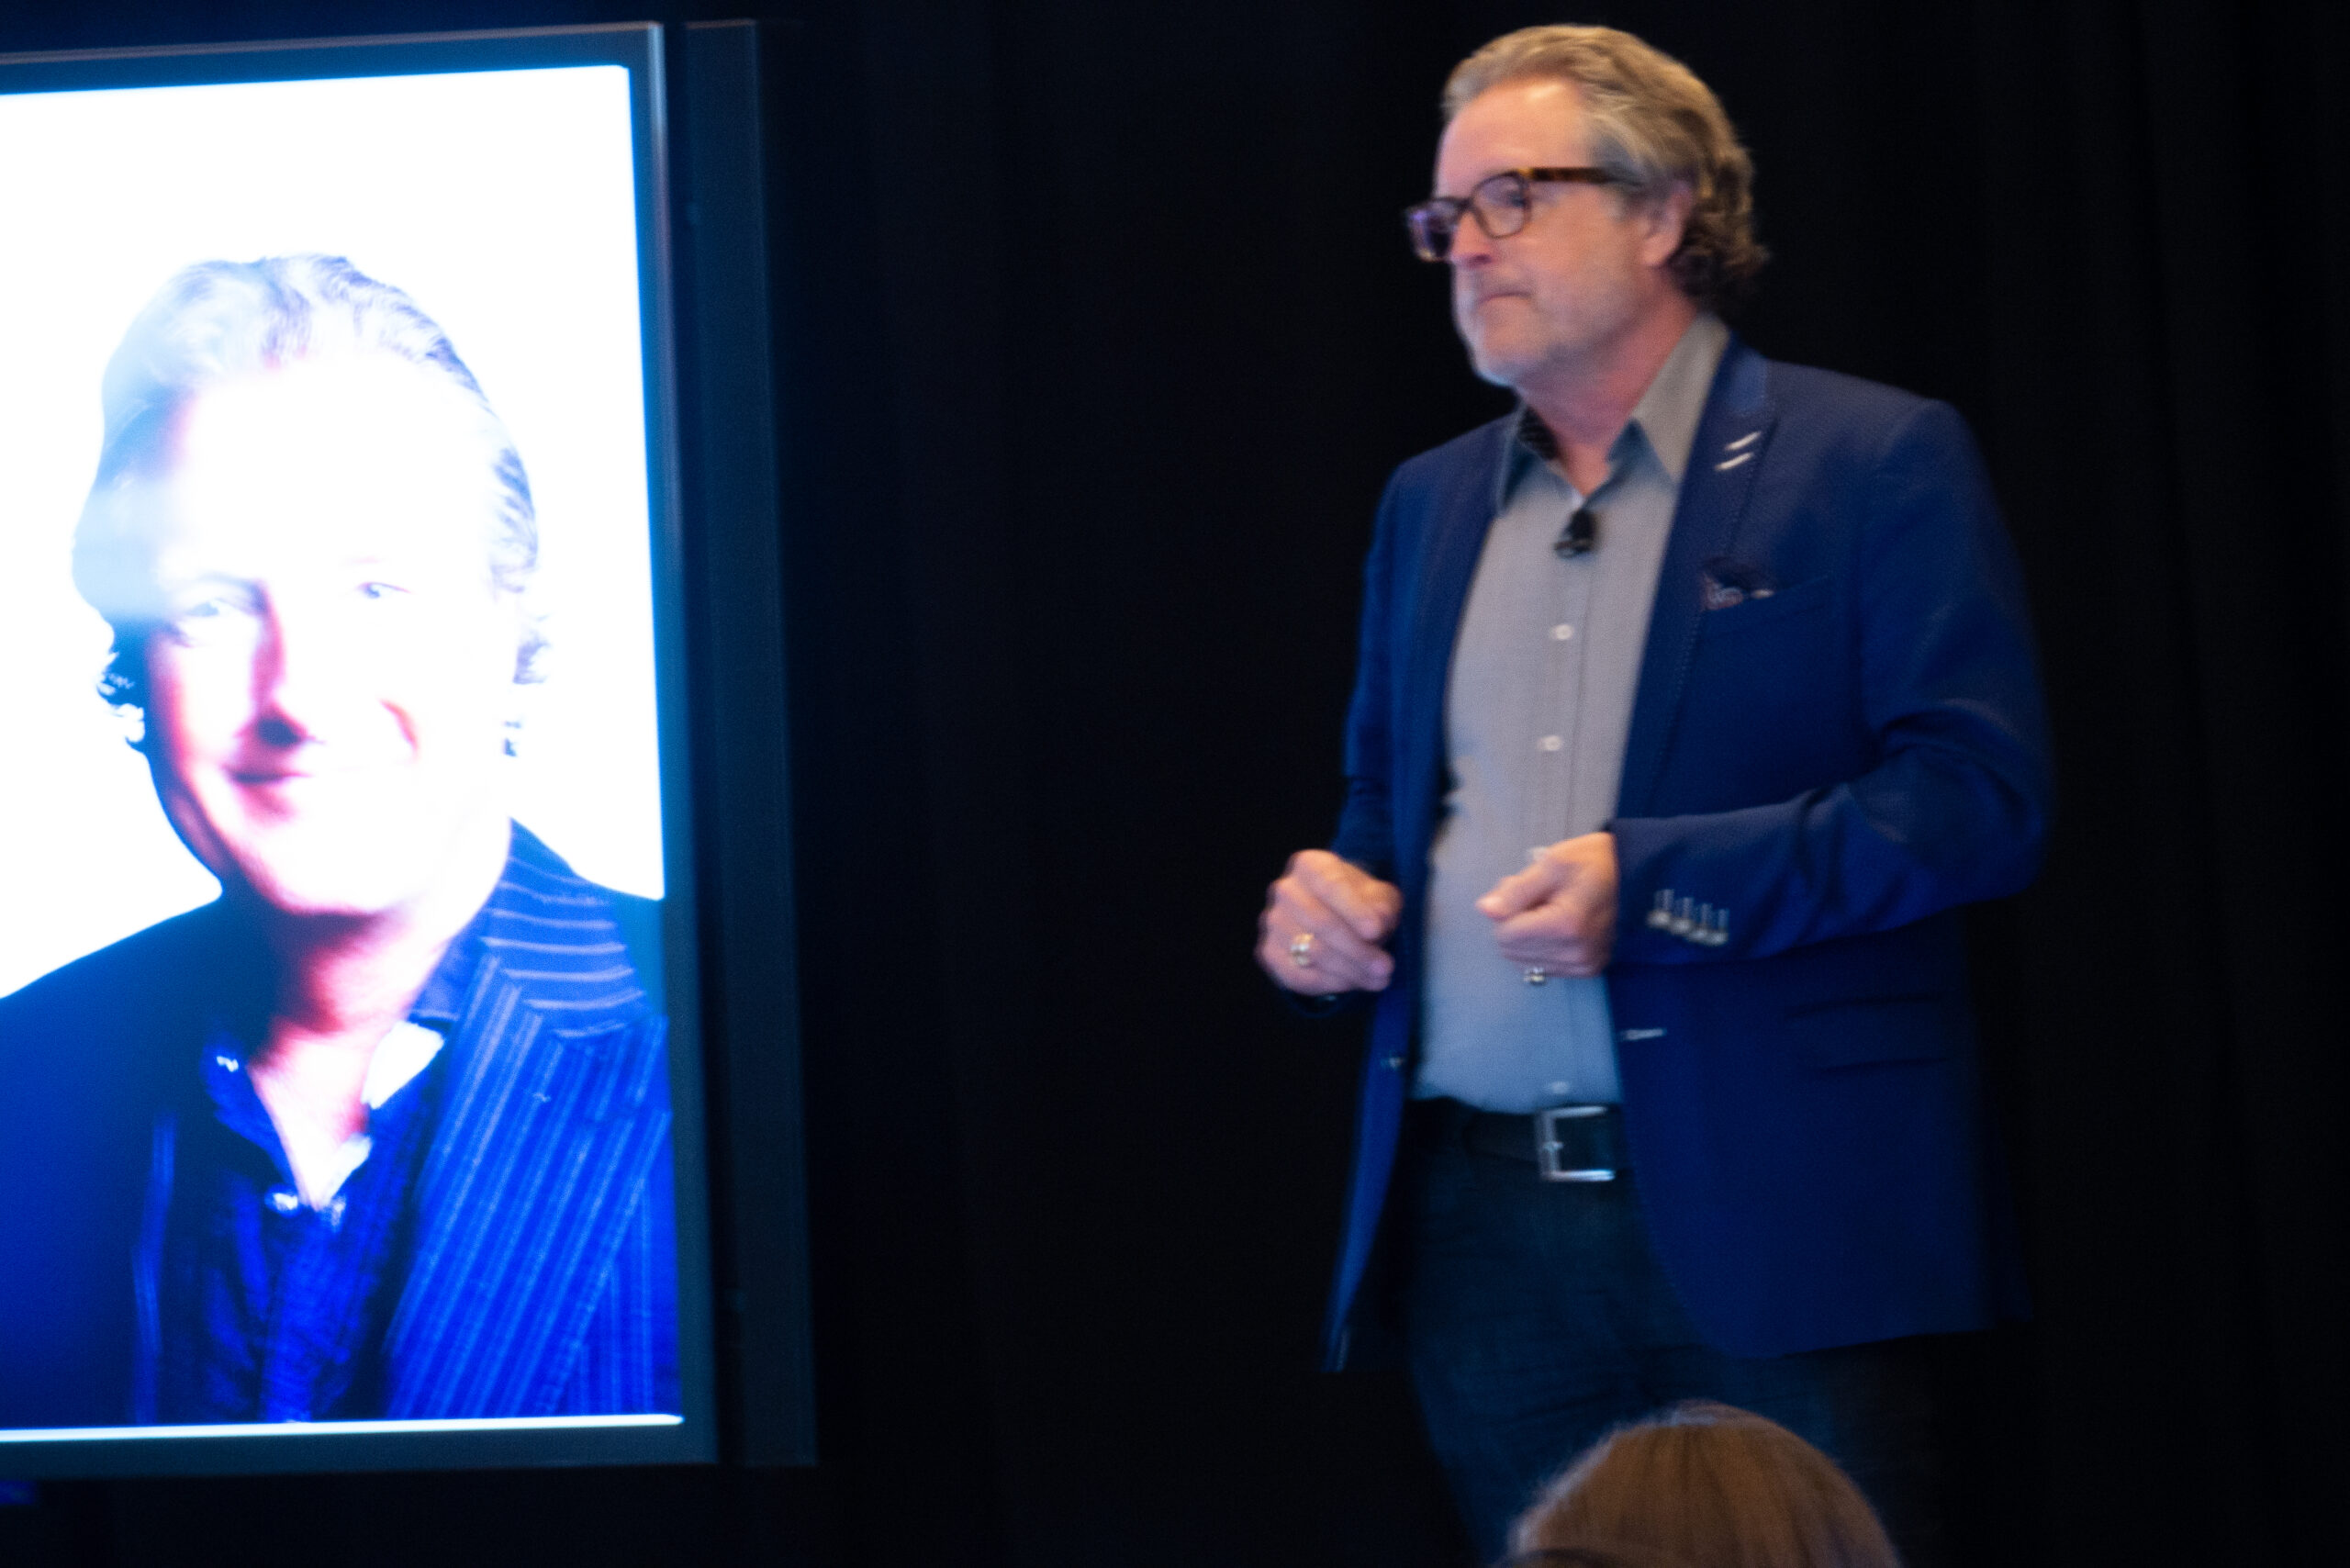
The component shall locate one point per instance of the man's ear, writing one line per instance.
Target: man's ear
(1667, 219)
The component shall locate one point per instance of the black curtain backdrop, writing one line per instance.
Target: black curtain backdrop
(1098, 335)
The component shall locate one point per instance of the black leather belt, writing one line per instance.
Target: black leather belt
(1564, 1143)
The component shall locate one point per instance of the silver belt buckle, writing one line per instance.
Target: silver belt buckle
(1548, 1149)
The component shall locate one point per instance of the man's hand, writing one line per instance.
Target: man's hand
(1559, 915)
(1324, 926)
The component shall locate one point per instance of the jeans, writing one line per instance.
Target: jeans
(1536, 1317)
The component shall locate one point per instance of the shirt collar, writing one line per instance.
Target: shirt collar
(1668, 412)
(1665, 418)
(438, 1005)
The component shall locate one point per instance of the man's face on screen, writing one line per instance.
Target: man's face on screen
(328, 691)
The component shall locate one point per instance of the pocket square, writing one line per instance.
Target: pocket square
(1726, 582)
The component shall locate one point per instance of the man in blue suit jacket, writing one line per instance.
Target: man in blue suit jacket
(1687, 1106)
(383, 1132)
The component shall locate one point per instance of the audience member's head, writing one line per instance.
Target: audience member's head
(1706, 1486)
(1590, 1557)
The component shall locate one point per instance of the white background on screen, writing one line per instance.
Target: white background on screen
(503, 202)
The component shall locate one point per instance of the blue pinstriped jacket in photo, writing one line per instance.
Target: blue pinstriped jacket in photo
(536, 1273)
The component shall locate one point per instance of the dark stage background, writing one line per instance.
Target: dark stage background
(1097, 334)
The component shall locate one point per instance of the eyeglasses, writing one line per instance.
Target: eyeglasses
(1500, 203)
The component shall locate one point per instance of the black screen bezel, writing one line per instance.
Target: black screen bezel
(638, 47)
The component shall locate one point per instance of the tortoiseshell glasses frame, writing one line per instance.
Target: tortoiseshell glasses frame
(1502, 204)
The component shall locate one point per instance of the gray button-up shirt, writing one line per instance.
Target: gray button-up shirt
(1537, 710)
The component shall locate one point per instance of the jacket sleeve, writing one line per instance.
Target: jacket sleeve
(1365, 833)
(1956, 803)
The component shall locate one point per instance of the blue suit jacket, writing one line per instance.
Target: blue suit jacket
(541, 1279)
(1834, 765)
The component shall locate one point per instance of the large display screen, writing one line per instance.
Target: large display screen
(348, 1105)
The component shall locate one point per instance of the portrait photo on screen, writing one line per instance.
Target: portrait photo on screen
(334, 1058)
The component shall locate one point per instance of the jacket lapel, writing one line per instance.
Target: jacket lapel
(1731, 442)
(548, 1133)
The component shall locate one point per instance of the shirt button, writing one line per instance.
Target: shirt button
(1561, 631)
(1549, 743)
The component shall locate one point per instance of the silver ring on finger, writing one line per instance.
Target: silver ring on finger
(1537, 975)
(1301, 949)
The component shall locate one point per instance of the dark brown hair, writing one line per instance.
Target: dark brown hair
(1709, 1486)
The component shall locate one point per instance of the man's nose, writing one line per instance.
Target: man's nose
(1472, 246)
(306, 656)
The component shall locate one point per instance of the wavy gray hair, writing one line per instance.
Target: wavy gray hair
(216, 321)
(1653, 125)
